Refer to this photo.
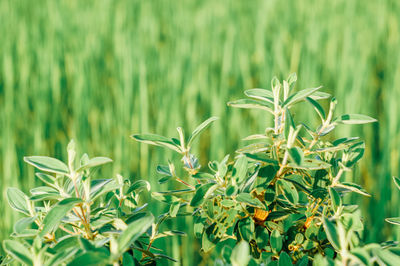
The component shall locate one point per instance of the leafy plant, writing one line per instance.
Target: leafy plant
(75, 219)
(281, 197)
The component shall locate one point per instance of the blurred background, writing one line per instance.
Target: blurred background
(99, 71)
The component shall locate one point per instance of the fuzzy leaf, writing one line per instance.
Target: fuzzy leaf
(96, 161)
(18, 251)
(331, 233)
(17, 200)
(252, 104)
(157, 140)
(198, 197)
(47, 164)
(351, 119)
(240, 254)
(200, 129)
(299, 96)
(54, 216)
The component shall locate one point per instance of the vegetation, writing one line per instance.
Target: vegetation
(278, 202)
(97, 71)
(77, 220)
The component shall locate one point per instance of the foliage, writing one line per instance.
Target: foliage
(281, 196)
(75, 219)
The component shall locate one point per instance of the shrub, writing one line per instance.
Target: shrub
(281, 197)
(77, 220)
(278, 201)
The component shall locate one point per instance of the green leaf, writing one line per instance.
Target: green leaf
(240, 169)
(299, 96)
(44, 193)
(198, 197)
(134, 230)
(351, 119)
(138, 186)
(252, 104)
(18, 251)
(174, 208)
(289, 123)
(331, 233)
(23, 223)
(201, 175)
(335, 198)
(395, 220)
(164, 170)
(387, 257)
(289, 191)
(276, 241)
(48, 179)
(94, 162)
(47, 164)
(284, 259)
(317, 107)
(262, 236)
(55, 215)
(157, 140)
(62, 256)
(200, 129)
(260, 94)
(240, 254)
(396, 181)
(249, 200)
(262, 157)
(17, 200)
(127, 260)
(353, 187)
(91, 258)
(311, 164)
(297, 155)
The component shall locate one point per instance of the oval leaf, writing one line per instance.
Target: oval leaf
(47, 164)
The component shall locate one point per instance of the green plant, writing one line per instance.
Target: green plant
(281, 197)
(75, 219)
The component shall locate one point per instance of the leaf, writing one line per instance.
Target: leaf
(396, 181)
(284, 259)
(96, 161)
(317, 107)
(297, 155)
(91, 258)
(260, 94)
(250, 104)
(289, 123)
(249, 200)
(331, 233)
(138, 186)
(351, 119)
(387, 257)
(276, 241)
(395, 220)
(289, 191)
(133, 232)
(353, 187)
(164, 170)
(54, 216)
(240, 169)
(201, 175)
(200, 129)
(62, 256)
(174, 208)
(47, 164)
(240, 254)
(198, 197)
(311, 164)
(335, 198)
(18, 251)
(319, 95)
(23, 223)
(299, 96)
(157, 140)
(262, 157)
(48, 179)
(17, 200)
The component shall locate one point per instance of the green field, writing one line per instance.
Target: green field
(99, 71)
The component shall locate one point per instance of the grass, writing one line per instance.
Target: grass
(98, 71)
